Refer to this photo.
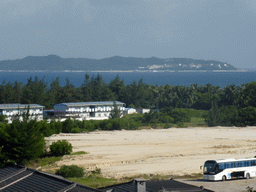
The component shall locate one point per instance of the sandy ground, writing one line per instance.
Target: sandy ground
(174, 151)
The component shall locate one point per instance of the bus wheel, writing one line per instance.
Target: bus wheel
(224, 178)
(247, 175)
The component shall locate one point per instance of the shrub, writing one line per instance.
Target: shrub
(181, 125)
(76, 130)
(60, 148)
(167, 125)
(70, 171)
(97, 171)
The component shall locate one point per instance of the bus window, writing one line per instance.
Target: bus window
(248, 163)
(221, 166)
(241, 164)
(228, 165)
(253, 163)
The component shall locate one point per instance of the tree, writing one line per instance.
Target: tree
(34, 91)
(21, 141)
(213, 118)
(115, 113)
(249, 94)
(53, 94)
(61, 148)
(70, 171)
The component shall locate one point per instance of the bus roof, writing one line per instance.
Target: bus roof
(231, 160)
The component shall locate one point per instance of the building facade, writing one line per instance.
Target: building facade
(16, 110)
(86, 110)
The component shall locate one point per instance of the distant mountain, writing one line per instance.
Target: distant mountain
(56, 63)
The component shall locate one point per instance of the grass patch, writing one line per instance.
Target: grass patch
(79, 153)
(42, 162)
(97, 181)
(196, 122)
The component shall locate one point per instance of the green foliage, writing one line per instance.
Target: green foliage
(228, 116)
(60, 148)
(97, 181)
(195, 113)
(247, 116)
(248, 94)
(97, 171)
(167, 125)
(3, 119)
(213, 118)
(42, 162)
(181, 125)
(70, 171)
(76, 130)
(21, 141)
(115, 113)
(56, 126)
(136, 94)
(178, 115)
(68, 125)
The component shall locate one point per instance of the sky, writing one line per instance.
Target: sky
(222, 30)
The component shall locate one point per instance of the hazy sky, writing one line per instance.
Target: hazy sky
(221, 30)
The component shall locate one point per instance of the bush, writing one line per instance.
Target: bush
(70, 171)
(167, 125)
(60, 148)
(181, 125)
(97, 171)
(76, 130)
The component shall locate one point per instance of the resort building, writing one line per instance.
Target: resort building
(86, 110)
(16, 110)
(129, 111)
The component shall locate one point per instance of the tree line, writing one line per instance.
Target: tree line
(137, 94)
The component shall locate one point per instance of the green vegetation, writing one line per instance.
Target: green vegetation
(60, 148)
(70, 171)
(21, 141)
(42, 162)
(171, 106)
(97, 181)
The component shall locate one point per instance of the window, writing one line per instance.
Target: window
(241, 164)
(248, 163)
(221, 166)
(228, 165)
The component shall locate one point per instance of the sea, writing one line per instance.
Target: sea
(221, 79)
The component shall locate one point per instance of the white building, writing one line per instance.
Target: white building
(86, 110)
(16, 110)
(129, 111)
(142, 110)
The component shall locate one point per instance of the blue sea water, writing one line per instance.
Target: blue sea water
(221, 79)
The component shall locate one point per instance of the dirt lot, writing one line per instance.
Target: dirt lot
(174, 151)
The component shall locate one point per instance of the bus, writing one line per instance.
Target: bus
(224, 169)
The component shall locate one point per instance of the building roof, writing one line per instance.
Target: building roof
(17, 105)
(20, 178)
(91, 103)
(155, 186)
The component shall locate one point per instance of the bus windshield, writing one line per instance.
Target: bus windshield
(209, 167)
